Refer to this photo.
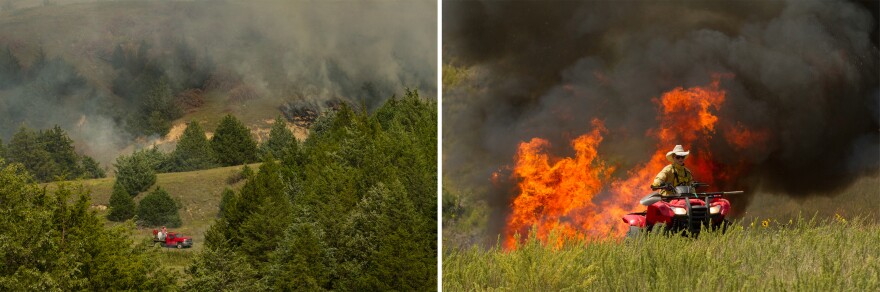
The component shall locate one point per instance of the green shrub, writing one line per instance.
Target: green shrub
(158, 209)
(193, 152)
(279, 137)
(122, 206)
(226, 201)
(232, 142)
(91, 168)
(135, 172)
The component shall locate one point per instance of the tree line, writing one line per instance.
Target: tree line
(232, 144)
(150, 88)
(353, 207)
(52, 241)
(49, 155)
(156, 87)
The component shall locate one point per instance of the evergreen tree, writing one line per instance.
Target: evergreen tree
(232, 143)
(303, 260)
(268, 213)
(60, 148)
(156, 123)
(158, 209)
(122, 206)
(227, 202)
(193, 151)
(410, 124)
(91, 168)
(50, 154)
(53, 242)
(159, 109)
(333, 174)
(253, 221)
(10, 69)
(55, 78)
(221, 269)
(158, 160)
(25, 148)
(380, 251)
(279, 137)
(247, 172)
(191, 70)
(364, 187)
(135, 172)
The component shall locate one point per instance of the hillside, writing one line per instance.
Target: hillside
(198, 192)
(95, 67)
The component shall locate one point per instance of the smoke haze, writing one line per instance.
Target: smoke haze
(806, 71)
(299, 52)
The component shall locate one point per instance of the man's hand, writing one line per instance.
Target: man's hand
(661, 187)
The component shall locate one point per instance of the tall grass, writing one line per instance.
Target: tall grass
(834, 254)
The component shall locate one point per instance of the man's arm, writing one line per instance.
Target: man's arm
(660, 178)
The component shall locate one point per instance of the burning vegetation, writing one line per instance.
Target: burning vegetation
(303, 114)
(578, 197)
(777, 98)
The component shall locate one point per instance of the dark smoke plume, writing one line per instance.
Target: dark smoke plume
(805, 70)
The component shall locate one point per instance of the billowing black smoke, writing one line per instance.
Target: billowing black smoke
(807, 71)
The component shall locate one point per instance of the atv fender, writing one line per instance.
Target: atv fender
(725, 205)
(659, 212)
(634, 220)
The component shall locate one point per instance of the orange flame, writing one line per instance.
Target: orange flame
(577, 198)
(742, 138)
(549, 193)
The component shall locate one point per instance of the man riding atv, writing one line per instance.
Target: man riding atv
(677, 206)
(674, 174)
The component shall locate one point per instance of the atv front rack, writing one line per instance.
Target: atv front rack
(707, 195)
(698, 215)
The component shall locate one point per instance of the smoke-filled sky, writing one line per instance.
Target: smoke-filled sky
(806, 71)
(304, 52)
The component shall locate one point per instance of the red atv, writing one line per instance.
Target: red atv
(683, 211)
(171, 239)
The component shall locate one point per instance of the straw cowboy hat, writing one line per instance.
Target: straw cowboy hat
(678, 150)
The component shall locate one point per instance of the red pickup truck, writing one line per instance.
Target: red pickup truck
(171, 239)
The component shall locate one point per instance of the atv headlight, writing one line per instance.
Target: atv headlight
(679, 211)
(715, 209)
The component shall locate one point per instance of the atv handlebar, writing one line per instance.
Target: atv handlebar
(669, 186)
(661, 187)
(703, 195)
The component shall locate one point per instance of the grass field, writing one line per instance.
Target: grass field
(860, 198)
(198, 193)
(833, 254)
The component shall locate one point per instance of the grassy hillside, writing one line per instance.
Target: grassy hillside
(197, 191)
(824, 255)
